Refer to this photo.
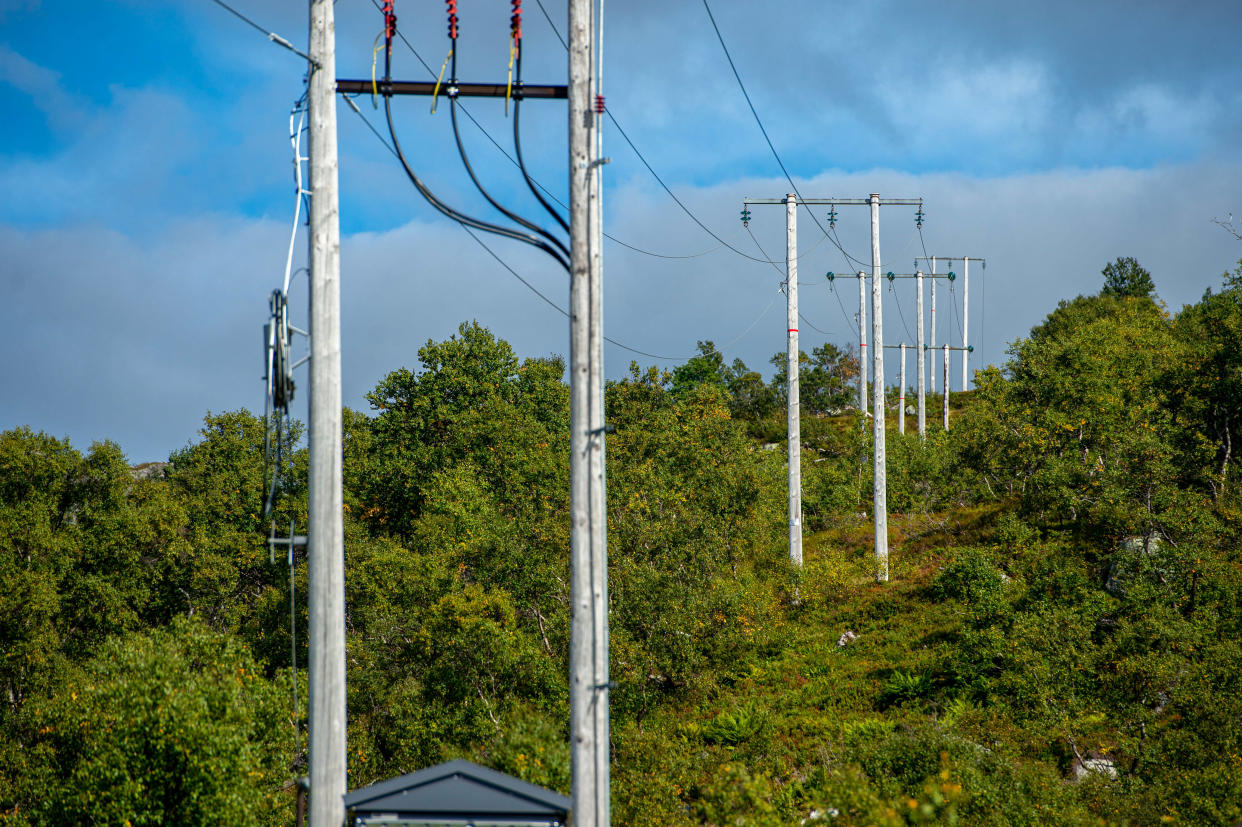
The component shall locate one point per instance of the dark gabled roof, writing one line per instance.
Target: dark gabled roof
(456, 790)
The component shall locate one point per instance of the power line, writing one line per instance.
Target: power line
(646, 164)
(272, 36)
(512, 160)
(762, 129)
(535, 290)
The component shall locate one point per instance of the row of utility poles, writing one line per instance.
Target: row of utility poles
(791, 203)
(589, 676)
(589, 673)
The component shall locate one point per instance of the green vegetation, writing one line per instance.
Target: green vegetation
(1061, 642)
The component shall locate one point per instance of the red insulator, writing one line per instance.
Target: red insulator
(390, 20)
(599, 104)
(515, 22)
(452, 18)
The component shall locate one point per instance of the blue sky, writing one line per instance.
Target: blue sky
(146, 182)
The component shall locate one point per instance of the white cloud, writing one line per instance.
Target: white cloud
(135, 337)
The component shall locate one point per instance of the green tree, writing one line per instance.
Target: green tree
(1077, 424)
(750, 397)
(174, 726)
(1205, 388)
(708, 367)
(1125, 277)
(473, 401)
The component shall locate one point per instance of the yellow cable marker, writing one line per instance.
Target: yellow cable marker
(435, 93)
(509, 83)
(374, 86)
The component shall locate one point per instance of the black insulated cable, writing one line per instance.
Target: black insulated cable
(517, 148)
(452, 213)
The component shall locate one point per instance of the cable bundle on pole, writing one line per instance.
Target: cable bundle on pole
(537, 236)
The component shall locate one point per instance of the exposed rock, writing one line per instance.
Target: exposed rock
(821, 815)
(1092, 766)
(1138, 556)
(150, 471)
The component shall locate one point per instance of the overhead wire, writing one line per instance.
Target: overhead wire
(466, 111)
(764, 253)
(379, 136)
(634, 148)
(457, 215)
(737, 76)
(272, 36)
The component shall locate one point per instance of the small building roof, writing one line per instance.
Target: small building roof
(457, 794)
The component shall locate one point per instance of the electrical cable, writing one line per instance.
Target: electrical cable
(517, 149)
(465, 160)
(480, 127)
(272, 36)
(466, 111)
(295, 139)
(846, 316)
(452, 213)
(645, 163)
(677, 200)
(512, 216)
(762, 129)
(535, 290)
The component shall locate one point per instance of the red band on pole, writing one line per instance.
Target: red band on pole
(793, 330)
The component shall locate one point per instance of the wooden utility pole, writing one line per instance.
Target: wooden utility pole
(326, 543)
(946, 387)
(792, 414)
(589, 684)
(932, 333)
(921, 356)
(879, 496)
(965, 322)
(901, 392)
(862, 343)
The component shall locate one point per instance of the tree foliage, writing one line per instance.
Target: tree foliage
(1064, 591)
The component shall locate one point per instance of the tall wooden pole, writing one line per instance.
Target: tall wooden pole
(931, 337)
(792, 415)
(901, 392)
(946, 387)
(965, 322)
(862, 343)
(588, 656)
(921, 357)
(880, 483)
(326, 542)
(599, 499)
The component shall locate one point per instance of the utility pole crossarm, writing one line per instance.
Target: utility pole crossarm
(838, 202)
(528, 91)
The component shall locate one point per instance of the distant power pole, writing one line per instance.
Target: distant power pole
(931, 339)
(901, 392)
(862, 343)
(880, 481)
(326, 543)
(965, 322)
(921, 356)
(792, 415)
(966, 349)
(946, 387)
